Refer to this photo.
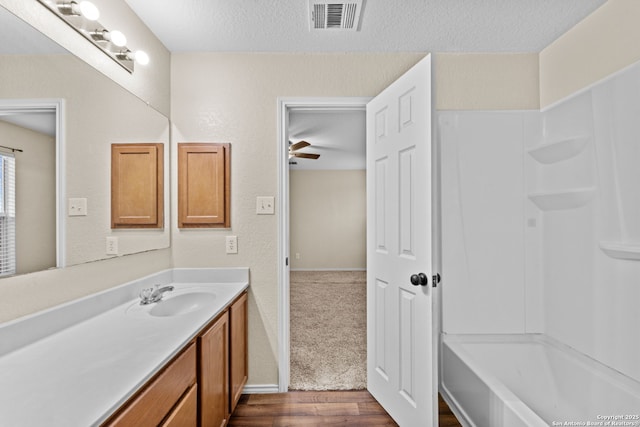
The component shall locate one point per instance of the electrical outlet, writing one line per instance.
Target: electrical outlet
(265, 205)
(232, 244)
(112, 245)
(77, 207)
(297, 255)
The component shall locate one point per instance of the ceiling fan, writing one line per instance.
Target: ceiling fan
(294, 148)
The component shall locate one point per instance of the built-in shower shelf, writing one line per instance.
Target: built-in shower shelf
(560, 200)
(621, 250)
(557, 151)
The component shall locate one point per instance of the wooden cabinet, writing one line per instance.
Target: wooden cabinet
(156, 401)
(185, 413)
(204, 185)
(213, 379)
(202, 385)
(137, 186)
(238, 346)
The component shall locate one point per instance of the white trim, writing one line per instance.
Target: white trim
(57, 106)
(282, 147)
(260, 389)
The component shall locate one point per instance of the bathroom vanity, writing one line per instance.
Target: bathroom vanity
(108, 360)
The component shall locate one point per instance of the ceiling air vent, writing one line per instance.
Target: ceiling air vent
(334, 15)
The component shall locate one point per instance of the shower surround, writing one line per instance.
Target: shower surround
(541, 227)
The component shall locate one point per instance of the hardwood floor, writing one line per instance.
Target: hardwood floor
(319, 408)
(445, 416)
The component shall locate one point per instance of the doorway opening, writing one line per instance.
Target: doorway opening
(319, 248)
(32, 134)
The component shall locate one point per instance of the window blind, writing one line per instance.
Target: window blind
(7, 214)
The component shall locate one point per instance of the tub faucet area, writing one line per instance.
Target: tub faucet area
(151, 295)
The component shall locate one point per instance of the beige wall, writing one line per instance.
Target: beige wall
(28, 293)
(603, 43)
(90, 129)
(150, 83)
(232, 97)
(328, 219)
(486, 81)
(36, 185)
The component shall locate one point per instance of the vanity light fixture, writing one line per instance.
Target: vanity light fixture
(82, 16)
(138, 56)
(84, 8)
(115, 37)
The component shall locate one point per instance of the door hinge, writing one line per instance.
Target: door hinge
(286, 261)
(436, 280)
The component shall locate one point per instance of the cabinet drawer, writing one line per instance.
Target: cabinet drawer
(186, 412)
(157, 398)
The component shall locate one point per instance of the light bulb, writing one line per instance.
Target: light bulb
(117, 38)
(89, 10)
(141, 57)
(85, 9)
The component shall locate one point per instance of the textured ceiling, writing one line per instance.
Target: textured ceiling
(386, 26)
(338, 136)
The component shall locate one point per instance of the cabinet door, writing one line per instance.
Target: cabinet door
(238, 351)
(204, 185)
(137, 186)
(213, 382)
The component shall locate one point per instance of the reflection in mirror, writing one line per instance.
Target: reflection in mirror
(28, 169)
(94, 112)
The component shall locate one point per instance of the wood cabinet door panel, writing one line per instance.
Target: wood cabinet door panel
(213, 380)
(203, 185)
(137, 185)
(238, 359)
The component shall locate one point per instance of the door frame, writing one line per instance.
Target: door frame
(282, 201)
(56, 106)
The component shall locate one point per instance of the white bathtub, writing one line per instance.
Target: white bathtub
(532, 380)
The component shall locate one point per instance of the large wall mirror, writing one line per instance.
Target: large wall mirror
(58, 119)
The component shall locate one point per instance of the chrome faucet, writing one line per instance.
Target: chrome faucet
(151, 295)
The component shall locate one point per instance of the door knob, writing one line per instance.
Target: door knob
(419, 279)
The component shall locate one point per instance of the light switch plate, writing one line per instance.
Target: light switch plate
(77, 207)
(265, 205)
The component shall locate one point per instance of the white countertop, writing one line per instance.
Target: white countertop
(80, 374)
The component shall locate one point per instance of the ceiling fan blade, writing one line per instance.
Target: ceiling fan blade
(298, 145)
(306, 155)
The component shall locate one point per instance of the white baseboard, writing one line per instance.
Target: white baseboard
(260, 388)
(328, 269)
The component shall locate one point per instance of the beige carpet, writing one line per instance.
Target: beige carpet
(328, 330)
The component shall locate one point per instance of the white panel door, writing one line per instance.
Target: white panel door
(400, 339)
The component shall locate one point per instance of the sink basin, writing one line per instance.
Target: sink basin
(177, 303)
(182, 304)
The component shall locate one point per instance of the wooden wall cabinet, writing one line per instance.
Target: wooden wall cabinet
(204, 185)
(137, 185)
